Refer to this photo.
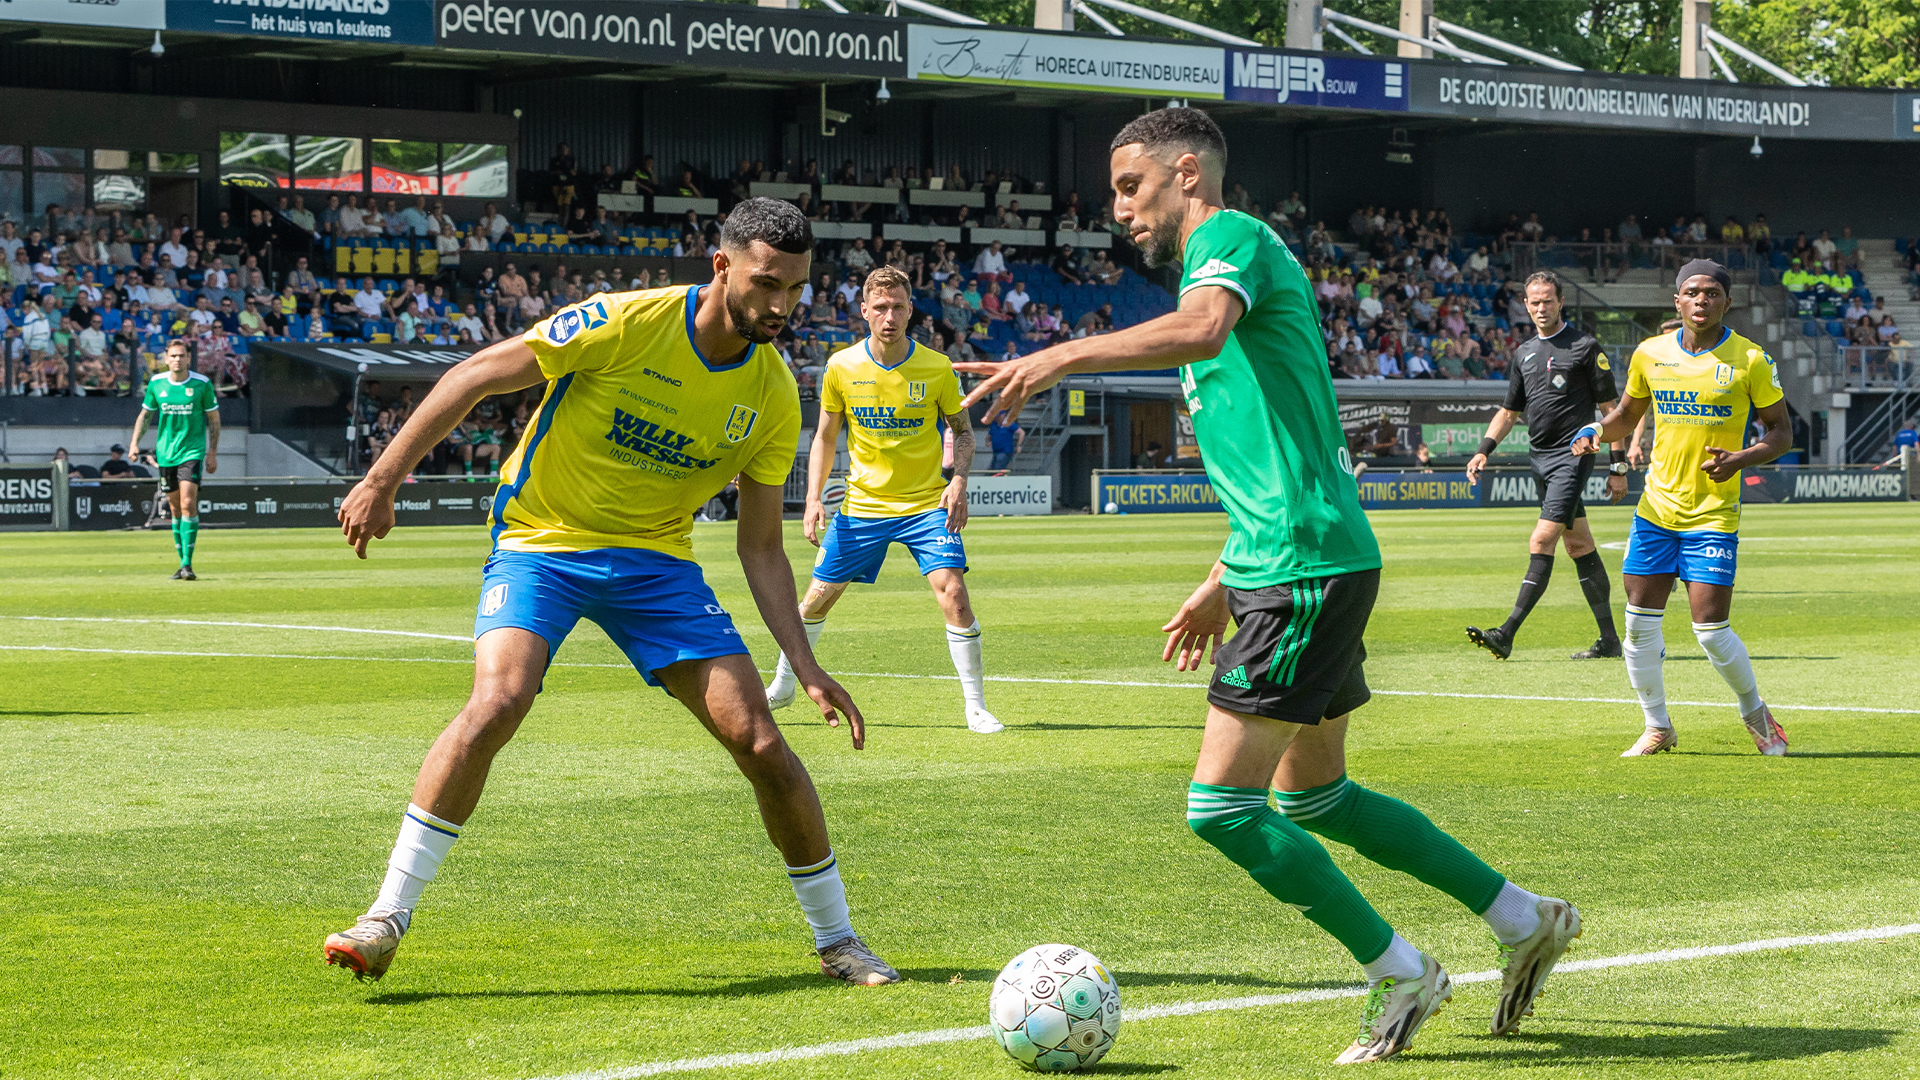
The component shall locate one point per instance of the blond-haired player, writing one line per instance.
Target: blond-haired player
(890, 392)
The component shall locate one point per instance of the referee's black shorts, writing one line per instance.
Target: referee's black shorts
(1562, 478)
(1297, 655)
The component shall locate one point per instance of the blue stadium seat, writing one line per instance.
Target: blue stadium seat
(1836, 328)
(1809, 328)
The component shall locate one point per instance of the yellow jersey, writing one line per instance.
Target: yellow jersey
(1699, 400)
(637, 429)
(893, 434)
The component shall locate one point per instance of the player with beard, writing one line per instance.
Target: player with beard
(654, 401)
(1299, 574)
(1560, 377)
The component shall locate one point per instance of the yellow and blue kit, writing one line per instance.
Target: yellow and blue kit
(1687, 524)
(893, 419)
(637, 430)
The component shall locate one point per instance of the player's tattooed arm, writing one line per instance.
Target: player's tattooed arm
(213, 440)
(954, 499)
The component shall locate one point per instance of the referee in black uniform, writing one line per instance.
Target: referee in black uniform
(1558, 379)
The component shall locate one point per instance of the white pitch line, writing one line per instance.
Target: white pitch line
(939, 678)
(251, 625)
(908, 1039)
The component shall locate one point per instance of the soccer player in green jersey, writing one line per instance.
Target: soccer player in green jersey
(1299, 574)
(186, 441)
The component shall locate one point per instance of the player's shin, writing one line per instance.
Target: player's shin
(1399, 837)
(179, 542)
(1539, 572)
(823, 899)
(1729, 656)
(1594, 583)
(1645, 650)
(422, 846)
(964, 644)
(1290, 865)
(189, 532)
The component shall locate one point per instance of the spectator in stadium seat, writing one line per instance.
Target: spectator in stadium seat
(858, 258)
(1065, 266)
(1419, 365)
(1824, 247)
(370, 301)
(227, 316)
(1104, 272)
(173, 249)
(1389, 365)
(1732, 233)
(250, 323)
(1847, 248)
(326, 221)
(644, 177)
(990, 262)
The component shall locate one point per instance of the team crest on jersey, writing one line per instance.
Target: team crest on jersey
(1214, 268)
(1723, 374)
(916, 392)
(740, 423)
(1601, 359)
(564, 326)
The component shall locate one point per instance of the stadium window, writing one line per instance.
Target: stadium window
(69, 189)
(406, 168)
(167, 161)
(119, 160)
(13, 194)
(56, 157)
(12, 155)
(329, 162)
(474, 170)
(118, 191)
(254, 159)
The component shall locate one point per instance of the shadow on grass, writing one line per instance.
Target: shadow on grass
(1702, 658)
(1808, 753)
(786, 984)
(1693, 1042)
(62, 712)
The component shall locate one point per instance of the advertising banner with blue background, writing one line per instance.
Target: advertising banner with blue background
(360, 22)
(1315, 80)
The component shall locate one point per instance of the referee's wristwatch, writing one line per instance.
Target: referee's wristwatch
(1618, 468)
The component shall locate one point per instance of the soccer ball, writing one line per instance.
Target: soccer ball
(1112, 508)
(1055, 1008)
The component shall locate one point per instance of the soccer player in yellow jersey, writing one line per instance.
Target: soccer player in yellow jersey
(890, 392)
(654, 401)
(1700, 381)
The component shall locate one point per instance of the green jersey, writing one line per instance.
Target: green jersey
(181, 430)
(1265, 418)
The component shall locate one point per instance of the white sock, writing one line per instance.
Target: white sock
(1729, 656)
(1514, 914)
(1400, 961)
(1644, 650)
(783, 680)
(823, 899)
(423, 845)
(964, 644)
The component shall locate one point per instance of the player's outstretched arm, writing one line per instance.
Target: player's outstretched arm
(1616, 425)
(826, 443)
(1497, 429)
(763, 559)
(1201, 621)
(1722, 465)
(954, 499)
(366, 514)
(1197, 331)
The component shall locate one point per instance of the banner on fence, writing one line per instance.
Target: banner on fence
(1009, 495)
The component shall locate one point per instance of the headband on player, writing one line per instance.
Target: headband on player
(1707, 267)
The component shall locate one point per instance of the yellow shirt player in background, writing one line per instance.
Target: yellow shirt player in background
(654, 401)
(891, 392)
(1700, 382)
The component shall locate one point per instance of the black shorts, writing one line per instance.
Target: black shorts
(1562, 478)
(1298, 654)
(171, 476)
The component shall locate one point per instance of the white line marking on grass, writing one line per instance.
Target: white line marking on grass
(252, 625)
(908, 1039)
(941, 678)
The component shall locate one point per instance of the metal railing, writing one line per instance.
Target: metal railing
(1870, 367)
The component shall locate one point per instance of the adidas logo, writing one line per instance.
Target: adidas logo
(1214, 268)
(1237, 677)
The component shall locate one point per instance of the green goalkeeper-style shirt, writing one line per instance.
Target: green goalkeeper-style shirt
(1265, 417)
(180, 433)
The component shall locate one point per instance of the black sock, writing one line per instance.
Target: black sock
(1593, 582)
(1539, 572)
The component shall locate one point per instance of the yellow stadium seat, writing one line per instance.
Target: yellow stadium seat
(383, 260)
(342, 260)
(363, 260)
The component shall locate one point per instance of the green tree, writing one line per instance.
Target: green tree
(1828, 42)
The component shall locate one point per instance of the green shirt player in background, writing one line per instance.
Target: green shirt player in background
(186, 440)
(1299, 574)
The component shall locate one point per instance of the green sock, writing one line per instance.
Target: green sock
(189, 532)
(179, 548)
(1287, 863)
(1394, 835)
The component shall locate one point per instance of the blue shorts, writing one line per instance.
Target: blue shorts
(655, 607)
(1701, 555)
(854, 548)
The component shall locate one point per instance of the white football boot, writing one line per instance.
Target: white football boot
(981, 722)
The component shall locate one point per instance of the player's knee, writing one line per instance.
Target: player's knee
(499, 705)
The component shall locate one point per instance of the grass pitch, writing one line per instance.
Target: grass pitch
(178, 832)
